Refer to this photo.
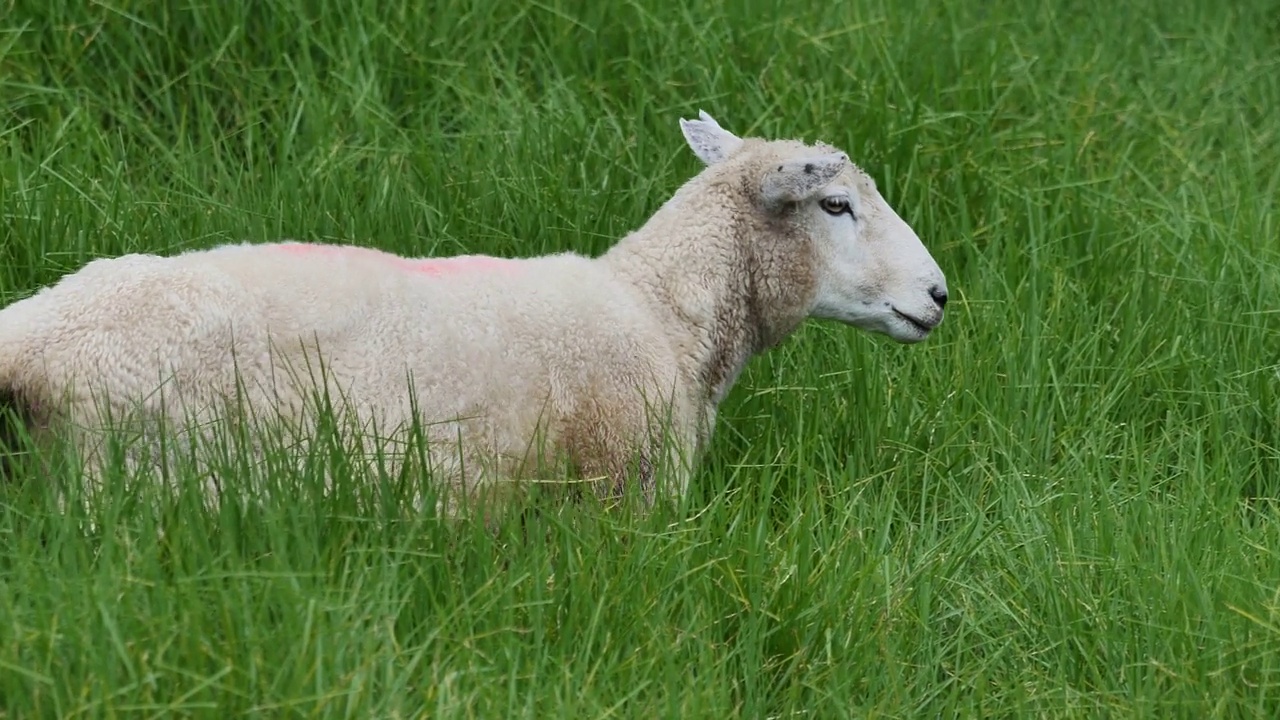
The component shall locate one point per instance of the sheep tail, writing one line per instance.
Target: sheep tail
(12, 343)
(17, 414)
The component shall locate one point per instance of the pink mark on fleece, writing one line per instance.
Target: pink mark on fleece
(435, 267)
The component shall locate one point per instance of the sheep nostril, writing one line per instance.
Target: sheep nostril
(939, 295)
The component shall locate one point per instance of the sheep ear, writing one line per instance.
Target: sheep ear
(710, 142)
(800, 179)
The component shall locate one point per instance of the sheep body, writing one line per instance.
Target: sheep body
(554, 345)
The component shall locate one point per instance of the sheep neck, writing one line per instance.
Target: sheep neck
(708, 285)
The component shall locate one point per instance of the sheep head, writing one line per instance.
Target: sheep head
(870, 269)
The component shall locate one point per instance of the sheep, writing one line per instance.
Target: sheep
(615, 364)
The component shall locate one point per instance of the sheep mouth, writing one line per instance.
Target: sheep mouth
(923, 327)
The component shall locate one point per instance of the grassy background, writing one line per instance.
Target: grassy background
(1060, 505)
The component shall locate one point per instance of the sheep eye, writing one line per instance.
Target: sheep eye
(836, 205)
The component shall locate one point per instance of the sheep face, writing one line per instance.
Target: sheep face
(871, 270)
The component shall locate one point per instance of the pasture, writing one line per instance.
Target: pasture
(1062, 504)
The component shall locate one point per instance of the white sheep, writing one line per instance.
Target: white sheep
(614, 365)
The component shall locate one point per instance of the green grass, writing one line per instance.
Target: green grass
(1063, 504)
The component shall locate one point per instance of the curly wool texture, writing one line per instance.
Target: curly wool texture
(615, 364)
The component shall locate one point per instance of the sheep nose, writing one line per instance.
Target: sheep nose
(939, 295)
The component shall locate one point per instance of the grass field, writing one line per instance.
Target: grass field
(1063, 504)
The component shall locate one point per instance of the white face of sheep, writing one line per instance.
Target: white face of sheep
(872, 270)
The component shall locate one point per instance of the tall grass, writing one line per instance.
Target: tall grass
(1063, 504)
